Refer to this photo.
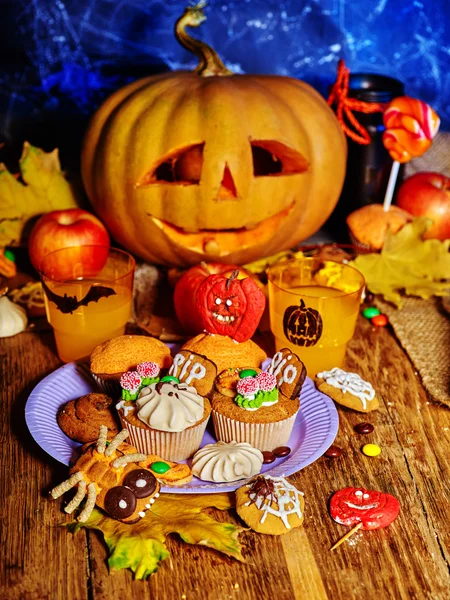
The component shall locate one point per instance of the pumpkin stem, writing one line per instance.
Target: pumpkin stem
(210, 63)
(233, 276)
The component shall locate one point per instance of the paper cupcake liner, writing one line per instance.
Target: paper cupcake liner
(173, 446)
(264, 436)
(109, 387)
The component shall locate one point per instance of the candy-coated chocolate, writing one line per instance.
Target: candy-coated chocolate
(363, 428)
(371, 450)
(380, 320)
(333, 452)
(369, 298)
(170, 378)
(247, 373)
(373, 509)
(282, 451)
(268, 457)
(160, 467)
(370, 312)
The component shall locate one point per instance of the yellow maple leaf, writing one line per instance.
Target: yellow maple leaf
(141, 546)
(407, 262)
(44, 189)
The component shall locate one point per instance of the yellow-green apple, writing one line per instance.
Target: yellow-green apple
(64, 228)
(428, 195)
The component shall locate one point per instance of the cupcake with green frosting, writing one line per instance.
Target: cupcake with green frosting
(258, 414)
(256, 391)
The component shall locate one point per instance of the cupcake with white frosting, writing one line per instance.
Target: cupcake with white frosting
(168, 418)
(223, 462)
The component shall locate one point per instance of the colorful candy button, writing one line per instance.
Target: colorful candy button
(268, 457)
(380, 320)
(170, 378)
(371, 450)
(160, 467)
(363, 428)
(247, 373)
(370, 312)
(333, 452)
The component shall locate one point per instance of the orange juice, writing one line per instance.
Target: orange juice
(314, 321)
(77, 333)
(88, 294)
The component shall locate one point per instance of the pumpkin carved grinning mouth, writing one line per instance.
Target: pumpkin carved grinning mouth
(251, 228)
(223, 318)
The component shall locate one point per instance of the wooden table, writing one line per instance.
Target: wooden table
(409, 560)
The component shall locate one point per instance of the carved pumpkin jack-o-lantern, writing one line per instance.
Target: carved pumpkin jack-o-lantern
(191, 166)
(302, 325)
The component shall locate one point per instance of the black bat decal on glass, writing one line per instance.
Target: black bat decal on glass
(67, 304)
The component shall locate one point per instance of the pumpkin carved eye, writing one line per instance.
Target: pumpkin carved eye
(182, 166)
(271, 157)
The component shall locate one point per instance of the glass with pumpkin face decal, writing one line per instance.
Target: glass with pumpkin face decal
(314, 305)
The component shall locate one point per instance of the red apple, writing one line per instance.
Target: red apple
(66, 228)
(186, 290)
(428, 195)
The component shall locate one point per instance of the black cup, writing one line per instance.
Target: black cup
(368, 166)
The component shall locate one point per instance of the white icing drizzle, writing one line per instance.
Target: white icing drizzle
(349, 382)
(287, 498)
(197, 371)
(289, 373)
(177, 362)
(126, 409)
(141, 514)
(226, 461)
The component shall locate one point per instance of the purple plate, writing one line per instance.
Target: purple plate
(314, 430)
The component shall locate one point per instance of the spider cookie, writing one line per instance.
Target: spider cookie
(270, 505)
(347, 389)
(112, 478)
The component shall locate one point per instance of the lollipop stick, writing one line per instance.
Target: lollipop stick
(391, 185)
(347, 535)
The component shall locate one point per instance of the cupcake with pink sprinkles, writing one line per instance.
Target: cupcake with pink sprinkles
(149, 371)
(131, 383)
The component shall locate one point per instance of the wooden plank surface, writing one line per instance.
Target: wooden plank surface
(408, 560)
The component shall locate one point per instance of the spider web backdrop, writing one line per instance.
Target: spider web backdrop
(61, 58)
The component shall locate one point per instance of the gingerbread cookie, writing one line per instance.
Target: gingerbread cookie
(227, 380)
(80, 419)
(289, 371)
(270, 505)
(195, 370)
(347, 389)
(111, 477)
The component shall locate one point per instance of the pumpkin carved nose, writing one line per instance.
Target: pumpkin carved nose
(227, 187)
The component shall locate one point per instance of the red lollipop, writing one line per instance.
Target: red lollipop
(366, 509)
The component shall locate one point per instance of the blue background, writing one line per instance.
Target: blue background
(60, 59)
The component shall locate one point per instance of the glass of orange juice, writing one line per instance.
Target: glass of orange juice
(88, 296)
(313, 306)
